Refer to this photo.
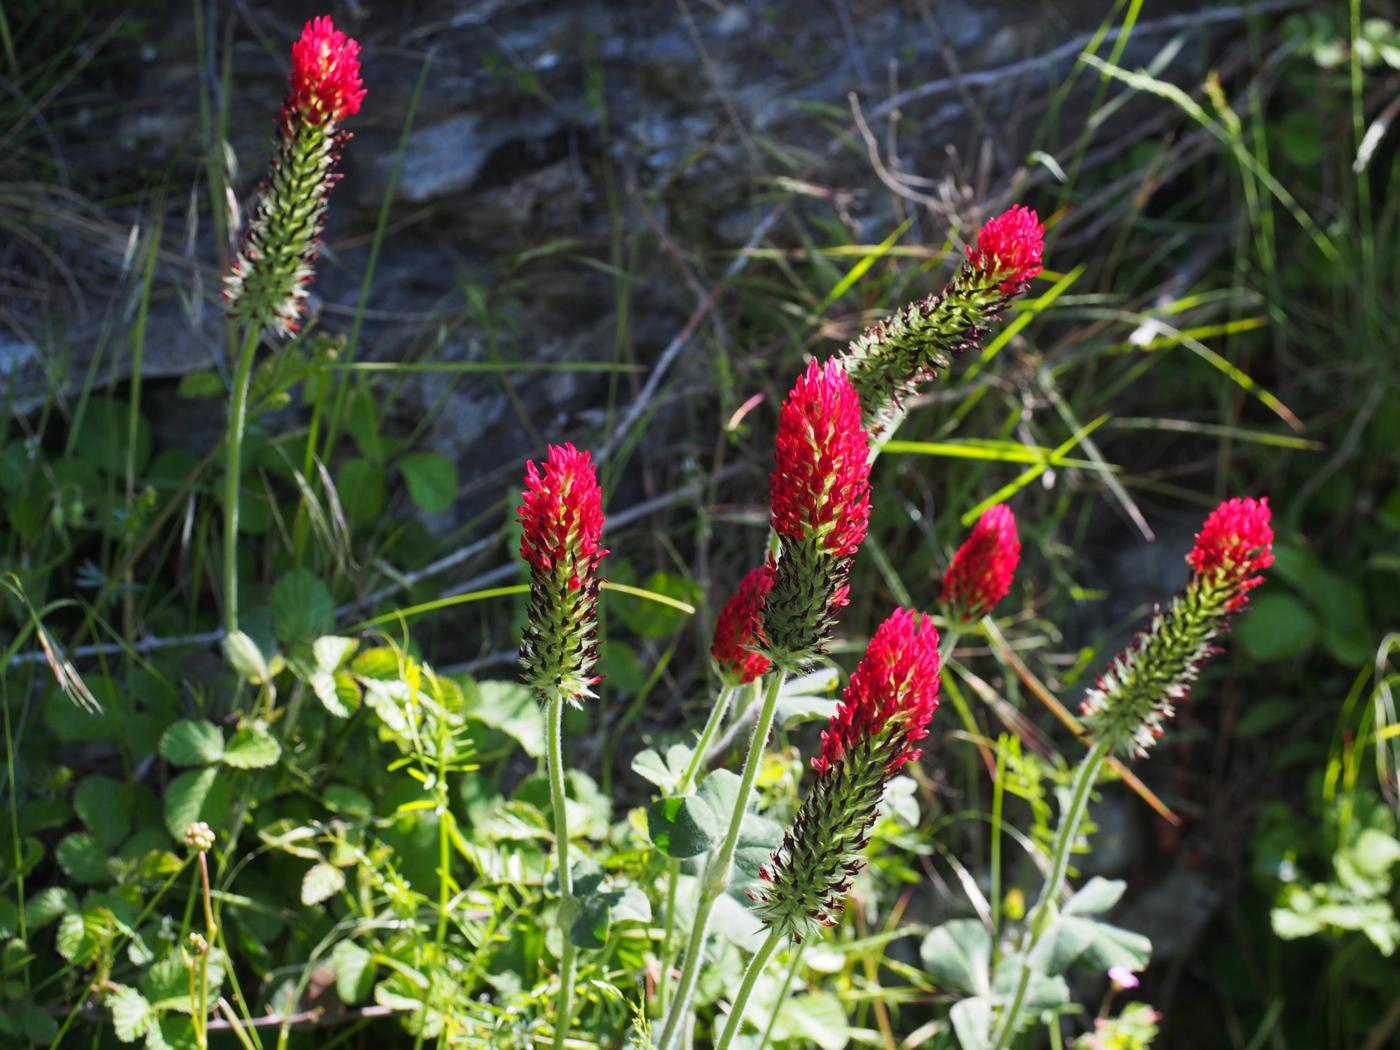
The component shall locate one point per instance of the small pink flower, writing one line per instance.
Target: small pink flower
(1009, 248)
(325, 82)
(736, 630)
(981, 571)
(895, 687)
(1123, 978)
(1235, 544)
(821, 469)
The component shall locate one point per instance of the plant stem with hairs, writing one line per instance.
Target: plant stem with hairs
(233, 453)
(1038, 922)
(741, 1000)
(564, 1009)
(668, 950)
(716, 878)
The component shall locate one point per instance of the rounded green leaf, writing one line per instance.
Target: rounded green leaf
(192, 743)
(252, 747)
(1276, 626)
(432, 481)
(302, 607)
(200, 794)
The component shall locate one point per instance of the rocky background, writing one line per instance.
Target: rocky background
(566, 161)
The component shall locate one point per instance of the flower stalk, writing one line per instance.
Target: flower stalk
(561, 517)
(1128, 708)
(716, 878)
(266, 285)
(892, 359)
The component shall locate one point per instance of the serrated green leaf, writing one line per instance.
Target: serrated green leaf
(1276, 626)
(104, 805)
(83, 859)
(132, 1015)
(511, 708)
(200, 794)
(302, 607)
(47, 905)
(355, 971)
(192, 743)
(360, 486)
(321, 882)
(252, 747)
(959, 954)
(432, 481)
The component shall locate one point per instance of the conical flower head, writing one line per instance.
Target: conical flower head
(1134, 699)
(821, 509)
(737, 630)
(893, 691)
(1234, 546)
(890, 360)
(884, 713)
(981, 571)
(561, 514)
(267, 282)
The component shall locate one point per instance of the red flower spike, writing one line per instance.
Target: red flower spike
(562, 512)
(981, 571)
(1010, 247)
(1235, 544)
(1137, 694)
(325, 83)
(736, 630)
(821, 471)
(896, 685)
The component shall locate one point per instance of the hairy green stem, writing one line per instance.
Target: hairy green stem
(793, 967)
(554, 716)
(741, 1001)
(712, 724)
(1084, 778)
(233, 454)
(718, 712)
(716, 878)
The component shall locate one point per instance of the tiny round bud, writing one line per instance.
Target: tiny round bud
(199, 837)
(197, 944)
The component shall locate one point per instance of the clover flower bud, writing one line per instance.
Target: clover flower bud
(981, 571)
(561, 513)
(1138, 693)
(884, 713)
(736, 630)
(820, 511)
(891, 359)
(267, 282)
(199, 837)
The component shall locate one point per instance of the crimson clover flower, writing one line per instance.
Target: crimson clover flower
(736, 630)
(1135, 697)
(1009, 248)
(561, 514)
(891, 359)
(884, 713)
(981, 571)
(1234, 546)
(267, 282)
(820, 511)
